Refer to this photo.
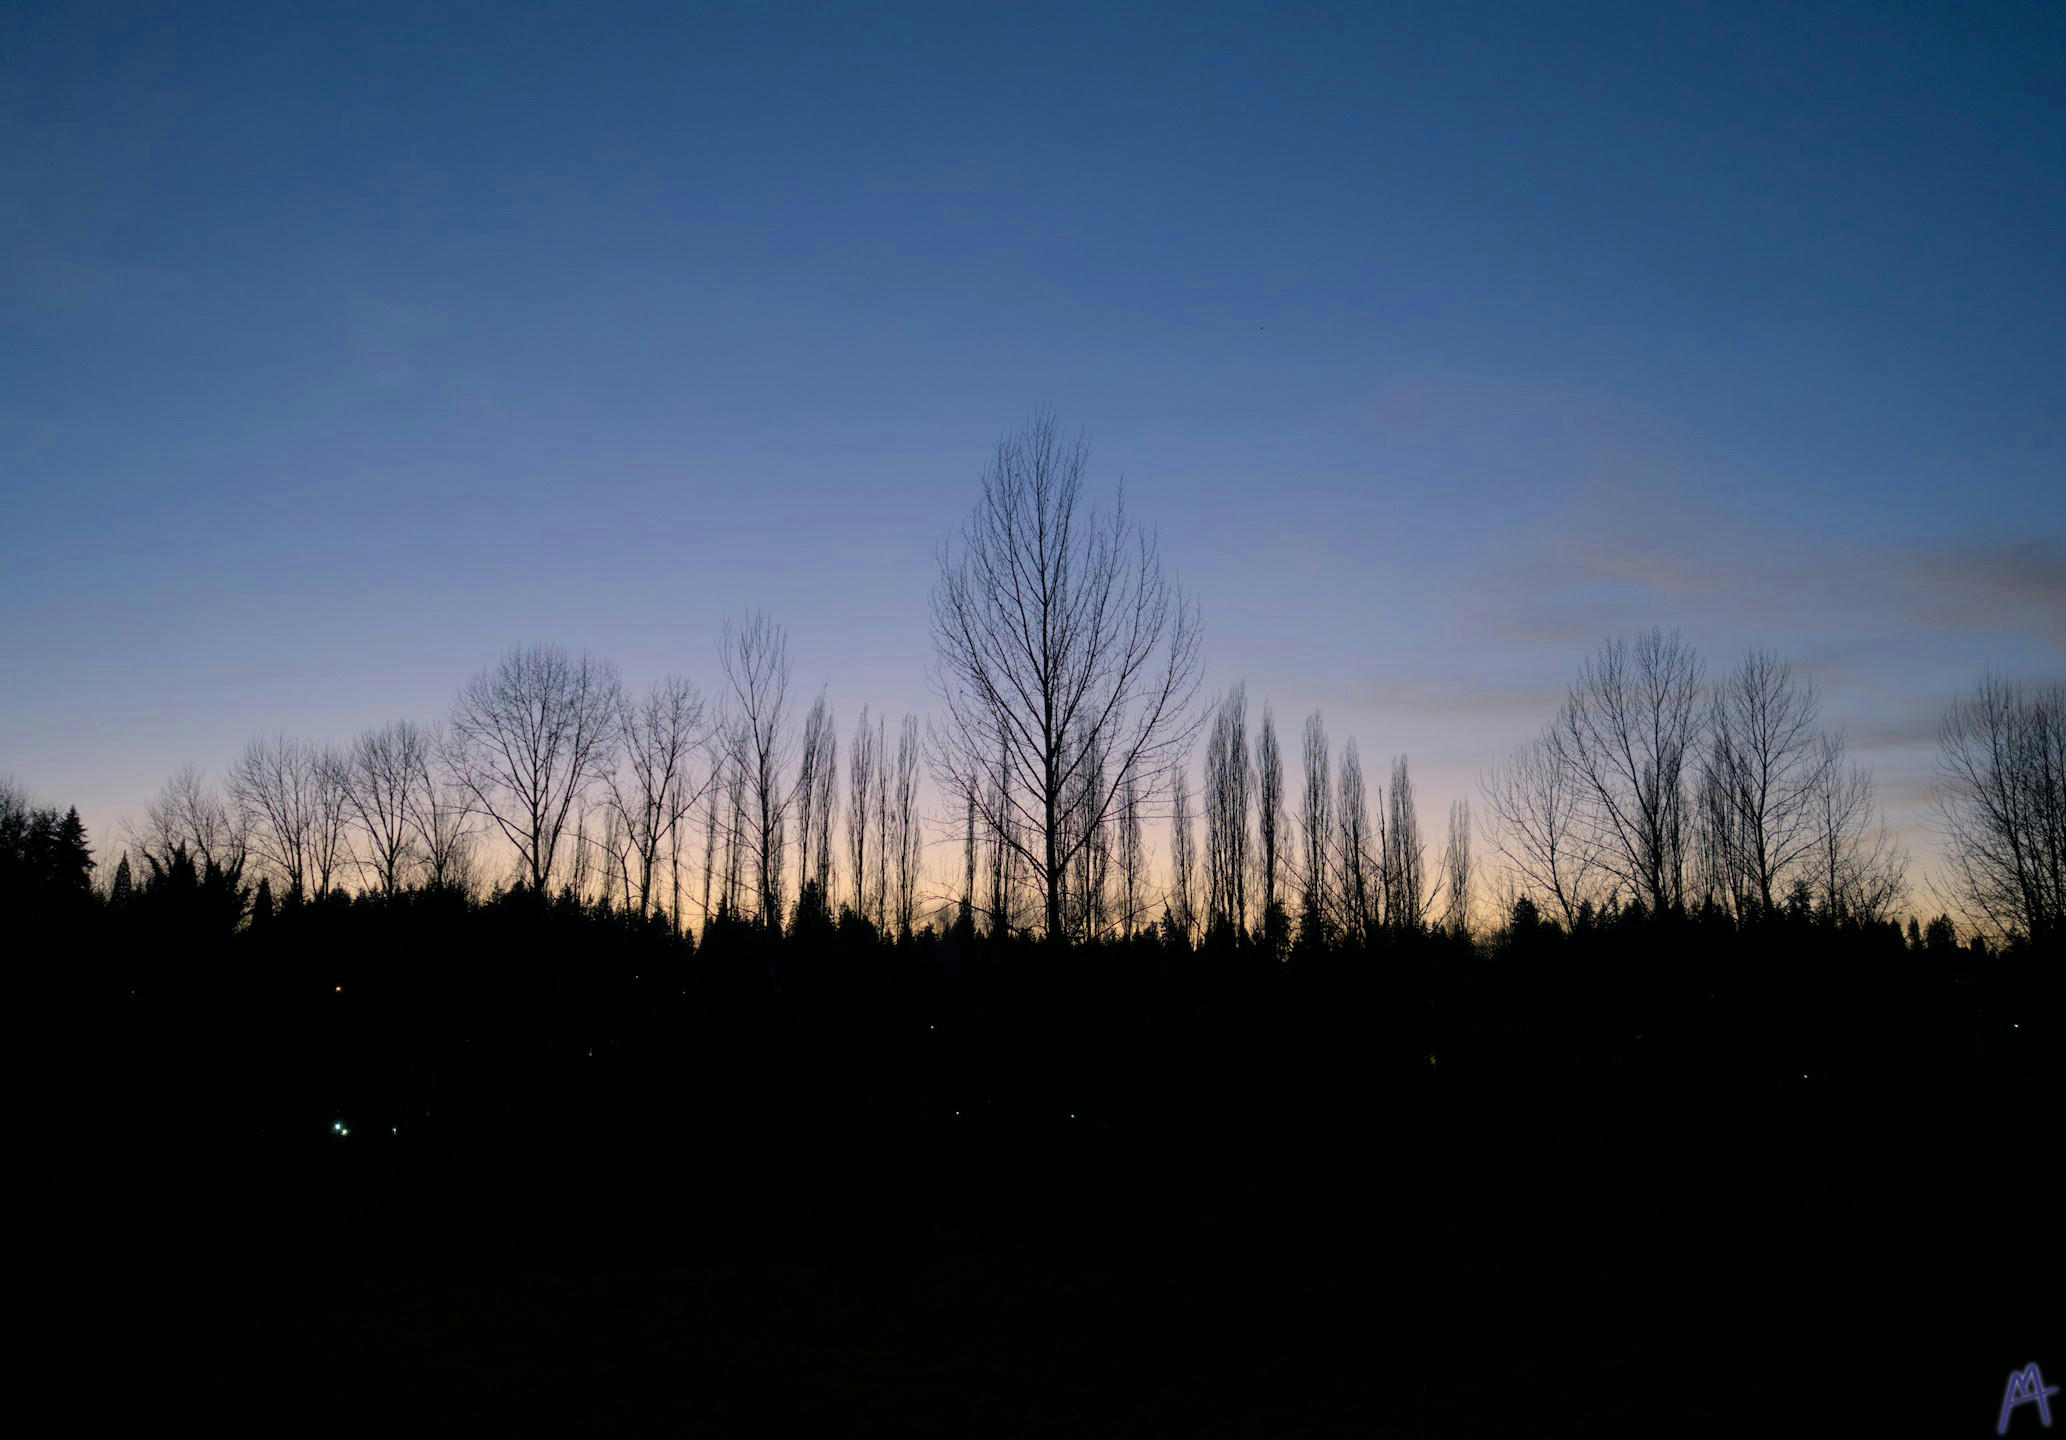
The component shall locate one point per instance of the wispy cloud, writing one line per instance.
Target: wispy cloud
(2014, 584)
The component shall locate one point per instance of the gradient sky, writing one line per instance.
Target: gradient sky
(343, 346)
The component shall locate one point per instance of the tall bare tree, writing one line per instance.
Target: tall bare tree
(1456, 870)
(1404, 860)
(879, 889)
(755, 658)
(1091, 886)
(1058, 636)
(906, 832)
(378, 776)
(1541, 829)
(190, 813)
(734, 827)
(440, 814)
(1227, 784)
(2000, 804)
(827, 807)
(1763, 771)
(581, 856)
(814, 762)
(1316, 829)
(658, 784)
(968, 858)
(531, 736)
(1133, 858)
(713, 817)
(862, 763)
(1183, 860)
(1631, 724)
(1860, 872)
(1354, 859)
(277, 786)
(1269, 816)
(331, 853)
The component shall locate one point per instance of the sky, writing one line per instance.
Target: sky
(343, 347)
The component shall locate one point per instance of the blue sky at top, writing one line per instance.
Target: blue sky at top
(343, 346)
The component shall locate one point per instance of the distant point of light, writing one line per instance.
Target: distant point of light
(339, 989)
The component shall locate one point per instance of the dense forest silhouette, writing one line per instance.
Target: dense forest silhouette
(587, 1045)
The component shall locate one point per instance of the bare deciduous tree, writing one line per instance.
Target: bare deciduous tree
(1269, 816)
(1227, 783)
(331, 852)
(1629, 726)
(189, 813)
(734, 827)
(531, 735)
(2000, 804)
(1315, 823)
(814, 763)
(860, 810)
(581, 856)
(1404, 862)
(657, 786)
(439, 811)
(755, 656)
(1183, 861)
(1058, 636)
(1456, 870)
(277, 786)
(1763, 771)
(906, 835)
(1541, 829)
(1089, 839)
(1356, 895)
(1133, 858)
(378, 776)
(1859, 871)
(879, 888)
(827, 807)
(968, 858)
(713, 824)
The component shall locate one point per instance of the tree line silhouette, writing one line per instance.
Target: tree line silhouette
(1069, 667)
(1175, 1061)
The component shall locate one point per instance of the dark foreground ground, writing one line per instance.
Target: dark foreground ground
(1443, 1202)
